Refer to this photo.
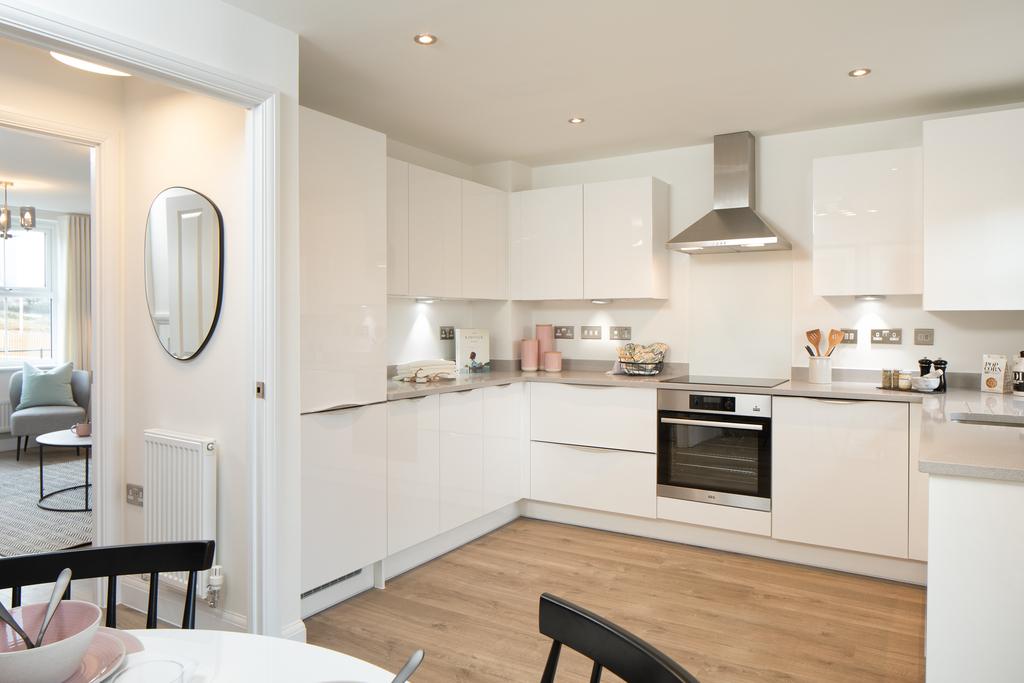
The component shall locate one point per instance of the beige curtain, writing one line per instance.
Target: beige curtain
(78, 293)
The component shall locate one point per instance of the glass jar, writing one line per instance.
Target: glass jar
(887, 379)
(904, 381)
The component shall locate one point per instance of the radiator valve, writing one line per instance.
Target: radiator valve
(215, 585)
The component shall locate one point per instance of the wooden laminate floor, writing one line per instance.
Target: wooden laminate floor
(727, 618)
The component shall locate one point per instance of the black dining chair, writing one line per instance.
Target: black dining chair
(607, 645)
(110, 562)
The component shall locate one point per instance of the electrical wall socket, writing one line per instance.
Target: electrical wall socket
(620, 333)
(924, 336)
(849, 336)
(590, 332)
(887, 336)
(134, 494)
(565, 331)
(447, 333)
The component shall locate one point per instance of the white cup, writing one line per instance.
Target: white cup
(819, 370)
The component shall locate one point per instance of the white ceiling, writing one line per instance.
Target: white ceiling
(48, 173)
(646, 74)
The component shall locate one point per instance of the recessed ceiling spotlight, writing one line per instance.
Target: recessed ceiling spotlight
(424, 38)
(859, 73)
(86, 66)
(576, 120)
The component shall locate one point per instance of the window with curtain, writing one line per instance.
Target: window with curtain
(27, 293)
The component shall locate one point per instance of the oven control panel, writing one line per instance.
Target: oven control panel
(756, 405)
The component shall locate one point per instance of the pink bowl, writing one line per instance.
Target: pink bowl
(71, 631)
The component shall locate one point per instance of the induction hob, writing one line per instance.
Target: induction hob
(757, 382)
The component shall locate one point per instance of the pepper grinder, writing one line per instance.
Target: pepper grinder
(940, 364)
(926, 366)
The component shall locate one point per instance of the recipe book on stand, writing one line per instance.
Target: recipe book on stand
(472, 350)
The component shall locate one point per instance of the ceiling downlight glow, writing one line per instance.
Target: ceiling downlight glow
(84, 65)
(859, 72)
(576, 120)
(425, 39)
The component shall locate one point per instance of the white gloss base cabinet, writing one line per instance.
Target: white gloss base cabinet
(343, 248)
(344, 492)
(413, 472)
(975, 586)
(604, 417)
(840, 474)
(715, 516)
(546, 243)
(867, 223)
(625, 227)
(594, 478)
(462, 458)
(504, 442)
(974, 212)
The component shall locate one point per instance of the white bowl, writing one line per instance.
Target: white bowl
(71, 631)
(925, 383)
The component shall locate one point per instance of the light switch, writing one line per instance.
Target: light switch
(590, 332)
(849, 336)
(924, 336)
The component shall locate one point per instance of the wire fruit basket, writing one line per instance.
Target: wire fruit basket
(637, 368)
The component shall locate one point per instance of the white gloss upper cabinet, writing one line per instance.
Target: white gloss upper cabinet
(344, 492)
(343, 254)
(974, 212)
(435, 233)
(413, 473)
(484, 242)
(625, 227)
(398, 227)
(546, 243)
(867, 223)
(840, 474)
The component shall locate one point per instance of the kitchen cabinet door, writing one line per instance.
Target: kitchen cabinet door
(839, 474)
(546, 243)
(344, 492)
(343, 248)
(414, 469)
(398, 227)
(462, 458)
(435, 233)
(484, 242)
(614, 481)
(974, 212)
(625, 227)
(503, 445)
(606, 417)
(867, 223)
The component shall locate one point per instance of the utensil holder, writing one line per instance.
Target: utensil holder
(819, 370)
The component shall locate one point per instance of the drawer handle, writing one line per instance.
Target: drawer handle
(711, 423)
(835, 401)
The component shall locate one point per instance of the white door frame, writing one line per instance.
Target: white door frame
(36, 27)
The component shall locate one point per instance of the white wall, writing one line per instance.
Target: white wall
(414, 328)
(177, 138)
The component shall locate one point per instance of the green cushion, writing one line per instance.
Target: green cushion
(46, 387)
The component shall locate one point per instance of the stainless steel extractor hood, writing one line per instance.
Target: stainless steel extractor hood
(733, 224)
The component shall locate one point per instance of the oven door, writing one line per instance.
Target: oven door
(720, 459)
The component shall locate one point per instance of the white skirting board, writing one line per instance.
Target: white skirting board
(135, 594)
(907, 571)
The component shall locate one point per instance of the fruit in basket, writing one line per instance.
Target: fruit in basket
(638, 353)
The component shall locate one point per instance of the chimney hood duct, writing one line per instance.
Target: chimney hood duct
(733, 224)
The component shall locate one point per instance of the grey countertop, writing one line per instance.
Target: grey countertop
(947, 447)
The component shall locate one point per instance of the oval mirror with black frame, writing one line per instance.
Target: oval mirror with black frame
(184, 269)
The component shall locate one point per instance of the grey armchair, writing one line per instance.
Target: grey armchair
(42, 419)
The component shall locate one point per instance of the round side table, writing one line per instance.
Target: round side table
(66, 438)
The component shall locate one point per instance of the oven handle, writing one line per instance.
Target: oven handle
(709, 423)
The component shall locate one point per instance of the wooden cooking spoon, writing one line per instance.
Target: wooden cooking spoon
(835, 338)
(814, 336)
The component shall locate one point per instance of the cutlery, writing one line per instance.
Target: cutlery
(410, 666)
(835, 338)
(810, 351)
(9, 619)
(814, 336)
(63, 579)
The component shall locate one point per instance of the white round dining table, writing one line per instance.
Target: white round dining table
(223, 656)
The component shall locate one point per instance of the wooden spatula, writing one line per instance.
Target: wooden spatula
(835, 338)
(814, 336)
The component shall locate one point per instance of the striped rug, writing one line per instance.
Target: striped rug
(24, 527)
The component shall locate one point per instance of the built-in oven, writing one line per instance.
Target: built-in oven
(715, 448)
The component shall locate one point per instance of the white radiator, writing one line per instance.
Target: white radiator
(179, 494)
(5, 415)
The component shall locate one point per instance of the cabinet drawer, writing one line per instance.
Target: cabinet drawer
(613, 481)
(605, 417)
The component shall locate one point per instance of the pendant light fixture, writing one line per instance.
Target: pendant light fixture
(26, 215)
